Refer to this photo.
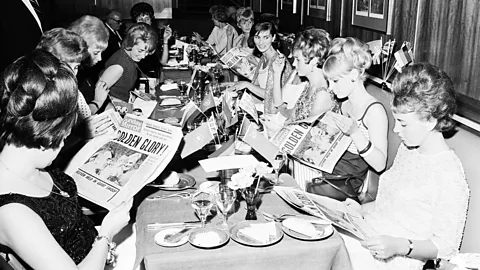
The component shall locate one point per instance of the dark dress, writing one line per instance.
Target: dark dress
(126, 82)
(74, 232)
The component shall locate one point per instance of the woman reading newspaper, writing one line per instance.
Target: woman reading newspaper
(262, 84)
(422, 200)
(362, 117)
(41, 221)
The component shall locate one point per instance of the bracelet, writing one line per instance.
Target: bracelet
(111, 248)
(364, 150)
(369, 152)
(94, 104)
(410, 247)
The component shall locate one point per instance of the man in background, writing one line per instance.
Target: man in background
(113, 22)
(22, 23)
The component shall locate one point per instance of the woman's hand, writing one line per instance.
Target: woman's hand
(101, 92)
(346, 124)
(242, 85)
(384, 246)
(197, 37)
(167, 33)
(116, 219)
(97, 125)
(279, 64)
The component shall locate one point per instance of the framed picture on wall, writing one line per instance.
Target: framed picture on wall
(320, 9)
(289, 5)
(372, 14)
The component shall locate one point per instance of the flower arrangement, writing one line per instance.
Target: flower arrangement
(244, 180)
(245, 177)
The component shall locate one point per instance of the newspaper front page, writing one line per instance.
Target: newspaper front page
(240, 62)
(326, 208)
(110, 169)
(315, 141)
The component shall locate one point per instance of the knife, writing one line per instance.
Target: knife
(173, 238)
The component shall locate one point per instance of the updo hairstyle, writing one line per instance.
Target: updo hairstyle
(92, 30)
(425, 89)
(219, 13)
(64, 44)
(346, 54)
(140, 9)
(312, 43)
(244, 14)
(38, 102)
(141, 31)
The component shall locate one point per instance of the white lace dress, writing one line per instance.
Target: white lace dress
(421, 197)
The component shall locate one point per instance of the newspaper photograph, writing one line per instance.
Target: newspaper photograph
(111, 169)
(318, 144)
(323, 207)
(240, 62)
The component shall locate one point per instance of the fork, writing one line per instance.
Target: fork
(183, 195)
(278, 218)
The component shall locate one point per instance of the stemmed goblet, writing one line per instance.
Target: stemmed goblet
(202, 202)
(224, 198)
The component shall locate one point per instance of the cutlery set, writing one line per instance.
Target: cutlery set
(183, 195)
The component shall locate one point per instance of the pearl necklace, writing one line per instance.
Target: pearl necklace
(62, 193)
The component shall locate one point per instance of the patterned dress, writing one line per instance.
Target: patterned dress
(303, 107)
(74, 232)
(268, 100)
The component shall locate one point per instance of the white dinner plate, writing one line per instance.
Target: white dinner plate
(161, 235)
(324, 231)
(208, 238)
(185, 182)
(248, 241)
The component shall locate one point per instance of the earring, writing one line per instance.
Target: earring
(353, 80)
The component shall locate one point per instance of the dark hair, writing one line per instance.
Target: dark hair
(140, 31)
(261, 27)
(312, 43)
(64, 44)
(38, 103)
(425, 89)
(219, 13)
(269, 17)
(141, 8)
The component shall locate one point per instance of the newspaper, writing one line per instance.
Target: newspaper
(112, 168)
(240, 62)
(338, 213)
(315, 141)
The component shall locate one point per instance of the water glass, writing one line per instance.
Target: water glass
(224, 198)
(202, 202)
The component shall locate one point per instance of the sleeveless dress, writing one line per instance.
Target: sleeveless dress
(74, 232)
(303, 107)
(121, 89)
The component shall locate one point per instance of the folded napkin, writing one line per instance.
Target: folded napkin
(262, 232)
(170, 86)
(291, 93)
(301, 226)
(207, 239)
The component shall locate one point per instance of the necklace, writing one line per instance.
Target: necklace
(62, 193)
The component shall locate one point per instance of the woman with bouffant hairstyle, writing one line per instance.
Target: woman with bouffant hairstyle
(37, 111)
(363, 118)
(421, 206)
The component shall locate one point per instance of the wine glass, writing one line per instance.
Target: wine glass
(202, 202)
(277, 165)
(224, 198)
(179, 55)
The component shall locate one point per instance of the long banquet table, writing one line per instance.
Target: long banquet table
(289, 253)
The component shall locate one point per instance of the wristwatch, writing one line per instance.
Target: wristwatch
(438, 262)
(410, 246)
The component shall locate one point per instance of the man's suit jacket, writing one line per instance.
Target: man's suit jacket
(113, 45)
(19, 30)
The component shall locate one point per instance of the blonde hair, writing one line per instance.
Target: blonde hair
(345, 55)
(92, 30)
